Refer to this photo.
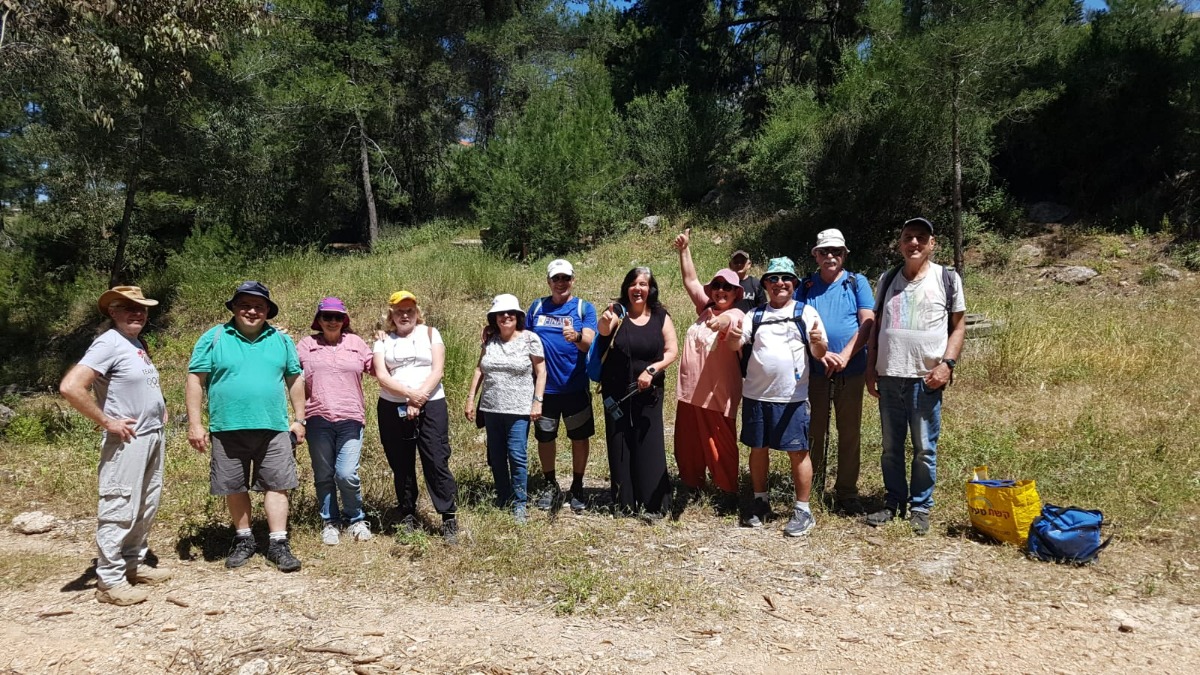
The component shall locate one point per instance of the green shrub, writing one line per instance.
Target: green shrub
(679, 145)
(25, 429)
(784, 155)
(553, 178)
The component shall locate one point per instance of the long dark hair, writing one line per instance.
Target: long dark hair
(651, 300)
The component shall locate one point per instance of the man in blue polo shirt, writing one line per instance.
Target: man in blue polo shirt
(250, 371)
(846, 305)
(566, 326)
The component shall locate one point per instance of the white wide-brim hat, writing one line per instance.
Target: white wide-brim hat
(831, 238)
(506, 302)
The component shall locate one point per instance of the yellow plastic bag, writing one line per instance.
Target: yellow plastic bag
(1003, 510)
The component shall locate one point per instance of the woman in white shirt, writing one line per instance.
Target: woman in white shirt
(412, 412)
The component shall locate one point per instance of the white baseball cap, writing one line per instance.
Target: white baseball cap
(830, 238)
(559, 266)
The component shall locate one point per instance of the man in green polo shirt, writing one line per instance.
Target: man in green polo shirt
(249, 370)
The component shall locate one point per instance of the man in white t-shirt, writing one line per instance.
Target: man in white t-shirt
(775, 410)
(914, 347)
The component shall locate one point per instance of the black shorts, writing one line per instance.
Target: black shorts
(251, 459)
(574, 408)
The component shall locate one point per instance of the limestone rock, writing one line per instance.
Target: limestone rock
(6, 415)
(1029, 254)
(33, 522)
(1074, 274)
(650, 222)
(1168, 272)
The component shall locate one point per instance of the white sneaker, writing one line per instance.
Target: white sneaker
(360, 531)
(329, 535)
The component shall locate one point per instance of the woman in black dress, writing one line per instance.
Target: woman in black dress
(641, 343)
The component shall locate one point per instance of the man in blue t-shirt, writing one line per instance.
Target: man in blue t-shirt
(847, 306)
(566, 326)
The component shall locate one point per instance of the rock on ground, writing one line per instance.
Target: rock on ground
(33, 522)
(1074, 274)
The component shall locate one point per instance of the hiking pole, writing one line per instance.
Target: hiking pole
(819, 466)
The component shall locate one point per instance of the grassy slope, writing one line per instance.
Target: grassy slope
(1087, 391)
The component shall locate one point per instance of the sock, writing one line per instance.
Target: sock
(448, 516)
(245, 533)
(803, 506)
(577, 482)
(551, 480)
(279, 536)
(761, 495)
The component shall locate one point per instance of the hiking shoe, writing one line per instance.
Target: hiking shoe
(359, 531)
(243, 550)
(122, 595)
(920, 522)
(801, 523)
(849, 506)
(651, 517)
(758, 513)
(150, 576)
(279, 552)
(881, 517)
(450, 531)
(330, 535)
(578, 505)
(407, 524)
(519, 514)
(550, 498)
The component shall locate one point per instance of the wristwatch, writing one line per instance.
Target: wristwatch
(950, 363)
(537, 398)
(651, 369)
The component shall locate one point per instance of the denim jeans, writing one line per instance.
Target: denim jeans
(335, 449)
(507, 454)
(906, 406)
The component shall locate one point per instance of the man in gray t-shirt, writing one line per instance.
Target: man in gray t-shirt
(915, 344)
(128, 405)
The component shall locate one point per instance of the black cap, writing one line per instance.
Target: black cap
(254, 288)
(918, 221)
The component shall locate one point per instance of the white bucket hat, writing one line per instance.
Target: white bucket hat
(506, 302)
(830, 238)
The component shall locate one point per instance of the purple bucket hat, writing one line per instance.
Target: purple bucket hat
(331, 305)
(730, 277)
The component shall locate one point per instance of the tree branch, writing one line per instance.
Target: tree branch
(769, 18)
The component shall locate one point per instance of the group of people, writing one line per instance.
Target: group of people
(788, 351)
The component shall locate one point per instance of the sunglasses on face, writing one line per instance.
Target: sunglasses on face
(560, 278)
(331, 316)
(831, 251)
(779, 278)
(507, 312)
(721, 286)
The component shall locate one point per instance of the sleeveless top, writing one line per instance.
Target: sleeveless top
(633, 348)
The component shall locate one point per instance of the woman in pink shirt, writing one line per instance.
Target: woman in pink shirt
(710, 382)
(334, 361)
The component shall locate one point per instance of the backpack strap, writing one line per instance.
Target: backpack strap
(950, 288)
(535, 310)
(881, 293)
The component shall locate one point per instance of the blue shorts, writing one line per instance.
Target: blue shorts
(780, 426)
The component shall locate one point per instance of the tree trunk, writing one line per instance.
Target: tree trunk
(956, 159)
(116, 275)
(368, 193)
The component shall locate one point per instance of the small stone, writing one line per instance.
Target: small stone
(1029, 254)
(639, 656)
(33, 522)
(1073, 274)
(650, 222)
(170, 628)
(255, 667)
(1168, 271)
(1128, 626)
(6, 415)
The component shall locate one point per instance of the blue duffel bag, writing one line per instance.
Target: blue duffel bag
(1066, 535)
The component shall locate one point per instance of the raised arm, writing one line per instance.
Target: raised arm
(687, 267)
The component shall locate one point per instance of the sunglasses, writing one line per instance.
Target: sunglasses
(721, 286)
(507, 312)
(778, 278)
(839, 252)
(331, 316)
(560, 278)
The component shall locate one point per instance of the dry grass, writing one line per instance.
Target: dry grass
(1087, 391)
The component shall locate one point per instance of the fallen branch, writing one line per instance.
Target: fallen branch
(176, 601)
(330, 650)
(55, 612)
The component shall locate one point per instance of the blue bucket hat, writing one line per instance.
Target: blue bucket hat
(254, 288)
(780, 266)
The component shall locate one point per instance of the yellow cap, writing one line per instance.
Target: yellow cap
(400, 296)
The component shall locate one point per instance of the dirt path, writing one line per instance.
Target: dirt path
(844, 601)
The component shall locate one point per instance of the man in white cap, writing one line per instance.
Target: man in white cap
(918, 336)
(566, 326)
(129, 407)
(847, 306)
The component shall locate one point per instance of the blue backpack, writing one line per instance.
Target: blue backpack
(1066, 535)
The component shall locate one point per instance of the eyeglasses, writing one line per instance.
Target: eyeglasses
(839, 252)
(331, 316)
(721, 286)
(261, 309)
(507, 312)
(561, 278)
(778, 278)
